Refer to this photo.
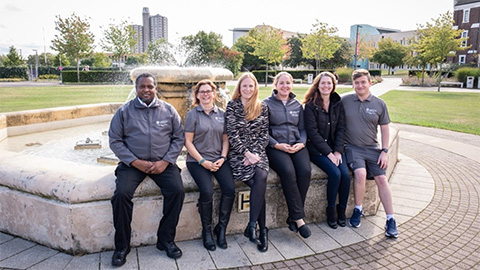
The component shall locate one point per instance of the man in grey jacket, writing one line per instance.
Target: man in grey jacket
(146, 134)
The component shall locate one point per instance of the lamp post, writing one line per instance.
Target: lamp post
(356, 47)
(36, 63)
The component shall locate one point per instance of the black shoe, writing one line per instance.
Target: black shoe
(205, 210)
(304, 231)
(172, 250)
(341, 218)
(292, 225)
(224, 211)
(219, 231)
(251, 234)
(331, 219)
(207, 239)
(263, 245)
(119, 258)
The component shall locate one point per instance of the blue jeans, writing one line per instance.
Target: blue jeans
(338, 179)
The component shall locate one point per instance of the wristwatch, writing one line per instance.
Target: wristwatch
(385, 150)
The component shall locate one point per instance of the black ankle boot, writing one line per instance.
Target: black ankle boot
(250, 233)
(263, 245)
(341, 218)
(205, 210)
(331, 217)
(220, 230)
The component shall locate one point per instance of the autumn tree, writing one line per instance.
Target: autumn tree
(268, 44)
(295, 55)
(250, 61)
(390, 53)
(74, 38)
(437, 40)
(119, 40)
(13, 58)
(321, 43)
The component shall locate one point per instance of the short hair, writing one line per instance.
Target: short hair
(196, 89)
(283, 73)
(359, 73)
(145, 75)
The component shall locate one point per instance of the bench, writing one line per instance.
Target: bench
(452, 83)
(297, 80)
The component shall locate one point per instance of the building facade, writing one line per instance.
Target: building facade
(153, 28)
(466, 14)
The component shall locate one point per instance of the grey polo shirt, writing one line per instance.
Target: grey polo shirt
(207, 132)
(362, 119)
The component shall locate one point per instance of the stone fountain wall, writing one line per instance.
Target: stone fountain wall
(66, 205)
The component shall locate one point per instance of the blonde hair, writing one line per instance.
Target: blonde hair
(253, 107)
(196, 89)
(313, 94)
(283, 73)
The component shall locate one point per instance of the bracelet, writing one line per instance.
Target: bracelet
(201, 161)
(224, 158)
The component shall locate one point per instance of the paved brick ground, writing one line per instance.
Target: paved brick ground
(445, 235)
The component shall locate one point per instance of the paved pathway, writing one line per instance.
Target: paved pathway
(435, 185)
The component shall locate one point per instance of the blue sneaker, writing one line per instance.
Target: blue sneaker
(355, 219)
(391, 228)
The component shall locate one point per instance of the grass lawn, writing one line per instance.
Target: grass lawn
(452, 111)
(28, 98)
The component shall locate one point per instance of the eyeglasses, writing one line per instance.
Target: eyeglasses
(205, 92)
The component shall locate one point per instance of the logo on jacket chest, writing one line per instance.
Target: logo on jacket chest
(294, 113)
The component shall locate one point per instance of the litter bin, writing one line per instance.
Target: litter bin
(310, 78)
(470, 80)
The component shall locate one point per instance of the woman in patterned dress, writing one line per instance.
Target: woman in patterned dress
(247, 130)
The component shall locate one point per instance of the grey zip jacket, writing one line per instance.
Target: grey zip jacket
(148, 133)
(286, 121)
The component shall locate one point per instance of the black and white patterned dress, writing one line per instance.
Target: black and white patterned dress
(246, 136)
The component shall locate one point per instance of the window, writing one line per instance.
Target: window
(464, 35)
(466, 15)
(461, 59)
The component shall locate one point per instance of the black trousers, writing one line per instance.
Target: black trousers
(258, 188)
(203, 179)
(294, 171)
(128, 179)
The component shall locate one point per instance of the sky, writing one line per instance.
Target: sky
(30, 24)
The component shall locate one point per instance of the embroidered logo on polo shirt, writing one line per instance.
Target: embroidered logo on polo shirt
(294, 113)
(370, 111)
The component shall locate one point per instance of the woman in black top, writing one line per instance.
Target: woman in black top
(325, 125)
(247, 129)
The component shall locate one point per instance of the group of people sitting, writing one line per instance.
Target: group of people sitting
(241, 144)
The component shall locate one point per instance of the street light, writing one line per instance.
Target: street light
(356, 48)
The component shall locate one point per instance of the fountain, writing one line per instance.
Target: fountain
(65, 204)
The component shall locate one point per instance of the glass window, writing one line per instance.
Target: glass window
(466, 15)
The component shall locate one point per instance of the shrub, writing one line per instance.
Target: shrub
(52, 77)
(344, 75)
(111, 77)
(462, 73)
(14, 72)
(375, 72)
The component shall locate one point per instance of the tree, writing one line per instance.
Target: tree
(135, 60)
(390, 53)
(74, 39)
(31, 59)
(250, 61)
(13, 59)
(2, 59)
(268, 44)
(231, 59)
(295, 55)
(61, 61)
(204, 48)
(160, 53)
(321, 43)
(437, 40)
(119, 39)
(342, 57)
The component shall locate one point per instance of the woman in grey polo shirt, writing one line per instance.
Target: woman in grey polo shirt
(207, 146)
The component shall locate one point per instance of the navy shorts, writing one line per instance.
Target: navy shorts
(362, 157)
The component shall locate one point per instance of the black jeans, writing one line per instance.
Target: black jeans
(338, 179)
(128, 179)
(203, 178)
(258, 188)
(295, 172)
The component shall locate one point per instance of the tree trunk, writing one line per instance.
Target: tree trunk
(439, 78)
(78, 70)
(266, 75)
(423, 75)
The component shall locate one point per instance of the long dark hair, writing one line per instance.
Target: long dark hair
(313, 94)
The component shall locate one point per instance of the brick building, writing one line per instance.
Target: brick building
(466, 14)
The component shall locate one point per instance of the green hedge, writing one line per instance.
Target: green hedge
(462, 73)
(296, 74)
(375, 72)
(14, 72)
(111, 77)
